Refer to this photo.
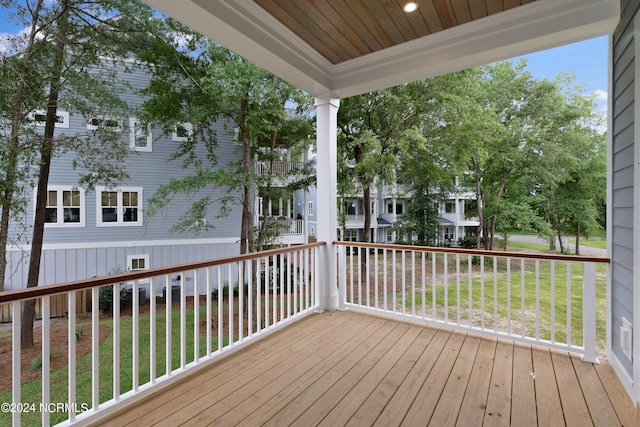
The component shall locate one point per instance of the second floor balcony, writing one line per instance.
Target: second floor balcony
(430, 336)
(280, 170)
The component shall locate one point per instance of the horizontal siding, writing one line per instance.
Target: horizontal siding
(148, 170)
(623, 177)
(622, 234)
(65, 265)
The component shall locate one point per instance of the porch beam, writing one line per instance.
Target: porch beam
(327, 208)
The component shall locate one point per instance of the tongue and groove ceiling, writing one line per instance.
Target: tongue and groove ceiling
(340, 48)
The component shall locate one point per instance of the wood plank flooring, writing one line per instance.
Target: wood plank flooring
(350, 368)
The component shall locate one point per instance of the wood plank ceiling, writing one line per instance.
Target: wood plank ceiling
(341, 30)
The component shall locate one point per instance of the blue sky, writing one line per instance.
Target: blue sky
(587, 60)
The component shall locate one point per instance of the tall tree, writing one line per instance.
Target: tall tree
(201, 82)
(517, 104)
(69, 42)
(370, 126)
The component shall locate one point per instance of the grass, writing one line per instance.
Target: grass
(593, 242)
(502, 301)
(513, 245)
(31, 390)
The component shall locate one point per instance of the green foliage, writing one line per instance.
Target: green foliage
(106, 299)
(205, 84)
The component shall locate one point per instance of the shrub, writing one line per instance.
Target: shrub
(106, 299)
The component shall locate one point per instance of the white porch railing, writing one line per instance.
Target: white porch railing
(288, 226)
(555, 301)
(215, 306)
(277, 167)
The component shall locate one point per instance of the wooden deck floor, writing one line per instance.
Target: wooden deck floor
(349, 368)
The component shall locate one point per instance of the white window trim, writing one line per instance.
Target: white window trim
(59, 189)
(311, 210)
(59, 113)
(130, 259)
(119, 222)
(174, 134)
(101, 118)
(133, 121)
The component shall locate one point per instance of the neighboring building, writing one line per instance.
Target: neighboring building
(281, 213)
(454, 221)
(102, 231)
(388, 203)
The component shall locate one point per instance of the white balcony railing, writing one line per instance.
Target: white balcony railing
(288, 226)
(151, 342)
(277, 167)
(555, 301)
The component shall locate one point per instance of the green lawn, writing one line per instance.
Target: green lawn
(594, 242)
(501, 301)
(31, 390)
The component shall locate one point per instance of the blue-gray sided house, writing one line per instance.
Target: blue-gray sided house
(104, 230)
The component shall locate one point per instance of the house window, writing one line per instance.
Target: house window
(137, 262)
(471, 206)
(260, 201)
(399, 207)
(351, 235)
(310, 209)
(65, 207)
(112, 123)
(140, 137)
(182, 132)
(350, 208)
(62, 118)
(119, 207)
(389, 235)
(448, 234)
(450, 207)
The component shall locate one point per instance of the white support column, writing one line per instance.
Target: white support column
(326, 133)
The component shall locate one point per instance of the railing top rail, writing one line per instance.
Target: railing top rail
(40, 291)
(505, 254)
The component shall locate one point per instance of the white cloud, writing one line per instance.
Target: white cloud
(601, 95)
(4, 43)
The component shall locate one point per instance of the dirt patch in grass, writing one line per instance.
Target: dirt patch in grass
(59, 342)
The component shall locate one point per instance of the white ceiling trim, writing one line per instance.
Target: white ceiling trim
(247, 29)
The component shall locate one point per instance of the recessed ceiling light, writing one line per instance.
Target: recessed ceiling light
(410, 7)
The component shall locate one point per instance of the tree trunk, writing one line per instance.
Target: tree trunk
(247, 241)
(560, 238)
(46, 151)
(578, 238)
(366, 195)
(480, 203)
(14, 142)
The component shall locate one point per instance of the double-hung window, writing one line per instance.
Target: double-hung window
(140, 137)
(65, 207)
(182, 132)
(122, 206)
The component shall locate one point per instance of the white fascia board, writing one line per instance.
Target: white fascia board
(536, 26)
